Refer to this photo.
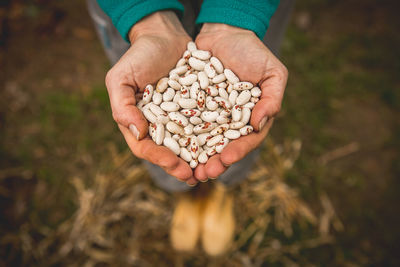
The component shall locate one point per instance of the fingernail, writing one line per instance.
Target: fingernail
(262, 123)
(203, 181)
(135, 131)
(212, 178)
(191, 185)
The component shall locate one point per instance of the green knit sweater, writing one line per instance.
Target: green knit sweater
(253, 15)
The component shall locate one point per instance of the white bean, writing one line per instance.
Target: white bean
(196, 64)
(204, 127)
(201, 99)
(157, 98)
(219, 78)
(159, 134)
(230, 76)
(249, 105)
(185, 92)
(223, 102)
(194, 90)
(212, 91)
(194, 147)
(174, 76)
(246, 130)
(184, 141)
(201, 54)
(156, 110)
(246, 114)
(177, 96)
(236, 113)
(193, 163)
(222, 93)
(203, 158)
(242, 86)
(236, 125)
(211, 151)
(203, 138)
(190, 112)
(255, 92)
(222, 85)
(149, 115)
(222, 119)
(162, 85)
(188, 80)
(215, 140)
(195, 120)
(187, 103)
(217, 64)
(232, 134)
(178, 118)
(176, 137)
(169, 106)
(168, 95)
(232, 97)
(148, 93)
(164, 119)
(220, 129)
(243, 97)
(209, 70)
(254, 100)
(185, 154)
(174, 84)
(191, 46)
(203, 79)
(180, 62)
(172, 144)
(188, 129)
(229, 89)
(179, 70)
(211, 104)
(221, 145)
(174, 128)
(209, 116)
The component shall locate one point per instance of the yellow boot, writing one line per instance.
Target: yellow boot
(218, 222)
(185, 226)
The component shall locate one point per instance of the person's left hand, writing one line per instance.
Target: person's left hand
(246, 55)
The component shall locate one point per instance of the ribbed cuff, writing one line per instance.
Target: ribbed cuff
(138, 11)
(250, 15)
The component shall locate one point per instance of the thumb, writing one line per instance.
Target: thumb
(123, 105)
(272, 89)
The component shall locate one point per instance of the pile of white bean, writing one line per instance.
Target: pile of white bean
(199, 108)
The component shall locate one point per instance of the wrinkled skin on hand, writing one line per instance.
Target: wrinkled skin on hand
(158, 41)
(242, 51)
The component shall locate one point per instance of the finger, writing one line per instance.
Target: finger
(121, 91)
(159, 155)
(239, 148)
(214, 167)
(200, 173)
(192, 181)
(272, 87)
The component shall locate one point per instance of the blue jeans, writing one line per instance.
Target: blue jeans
(115, 46)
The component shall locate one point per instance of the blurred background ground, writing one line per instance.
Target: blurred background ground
(324, 192)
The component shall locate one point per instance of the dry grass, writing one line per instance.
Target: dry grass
(123, 219)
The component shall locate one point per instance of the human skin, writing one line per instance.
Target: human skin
(157, 42)
(246, 55)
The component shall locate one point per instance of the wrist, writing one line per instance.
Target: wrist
(160, 22)
(221, 28)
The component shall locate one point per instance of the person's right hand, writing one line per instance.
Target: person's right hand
(157, 42)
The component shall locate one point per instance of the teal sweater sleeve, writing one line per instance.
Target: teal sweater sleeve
(252, 15)
(124, 14)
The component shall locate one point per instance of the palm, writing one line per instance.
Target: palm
(149, 58)
(243, 53)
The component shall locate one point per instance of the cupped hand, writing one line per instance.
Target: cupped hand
(157, 42)
(246, 55)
